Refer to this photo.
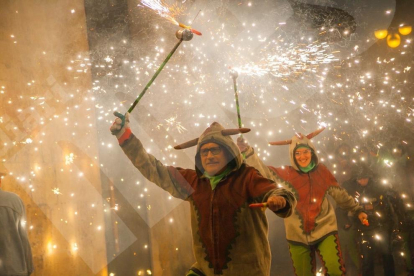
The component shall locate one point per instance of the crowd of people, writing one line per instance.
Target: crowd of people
(346, 212)
(369, 215)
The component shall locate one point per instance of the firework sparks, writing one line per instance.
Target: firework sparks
(173, 124)
(56, 191)
(162, 9)
(291, 61)
(69, 159)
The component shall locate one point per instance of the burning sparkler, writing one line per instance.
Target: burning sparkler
(185, 34)
(182, 35)
(164, 11)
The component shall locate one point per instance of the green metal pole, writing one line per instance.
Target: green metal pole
(155, 76)
(237, 102)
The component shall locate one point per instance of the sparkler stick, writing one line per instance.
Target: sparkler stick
(182, 35)
(234, 75)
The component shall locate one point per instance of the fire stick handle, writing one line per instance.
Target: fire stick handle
(258, 205)
(237, 102)
(155, 76)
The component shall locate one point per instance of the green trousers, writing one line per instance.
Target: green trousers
(194, 272)
(329, 251)
(191, 273)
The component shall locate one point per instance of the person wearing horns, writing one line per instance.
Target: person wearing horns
(229, 238)
(312, 227)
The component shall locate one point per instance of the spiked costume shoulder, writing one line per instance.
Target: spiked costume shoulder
(229, 238)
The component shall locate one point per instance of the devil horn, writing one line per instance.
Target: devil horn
(280, 143)
(316, 132)
(233, 131)
(188, 144)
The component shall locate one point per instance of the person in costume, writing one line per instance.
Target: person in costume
(229, 238)
(383, 207)
(394, 163)
(312, 227)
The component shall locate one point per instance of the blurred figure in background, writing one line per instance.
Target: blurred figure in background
(344, 167)
(367, 157)
(15, 251)
(381, 205)
(397, 174)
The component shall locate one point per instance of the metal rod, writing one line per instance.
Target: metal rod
(237, 103)
(155, 76)
(234, 75)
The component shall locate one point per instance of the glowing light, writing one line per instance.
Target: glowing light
(393, 40)
(69, 158)
(405, 30)
(56, 191)
(381, 34)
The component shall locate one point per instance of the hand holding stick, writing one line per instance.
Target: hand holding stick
(274, 203)
(363, 217)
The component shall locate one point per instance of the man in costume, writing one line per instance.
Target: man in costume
(229, 238)
(312, 227)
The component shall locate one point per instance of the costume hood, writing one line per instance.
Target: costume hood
(216, 133)
(300, 139)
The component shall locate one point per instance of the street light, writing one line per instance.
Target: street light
(393, 39)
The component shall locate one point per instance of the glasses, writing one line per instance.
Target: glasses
(214, 151)
(305, 152)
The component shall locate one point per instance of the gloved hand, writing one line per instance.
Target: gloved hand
(275, 203)
(363, 217)
(242, 144)
(120, 124)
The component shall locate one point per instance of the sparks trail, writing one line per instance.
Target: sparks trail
(293, 61)
(168, 12)
(162, 9)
